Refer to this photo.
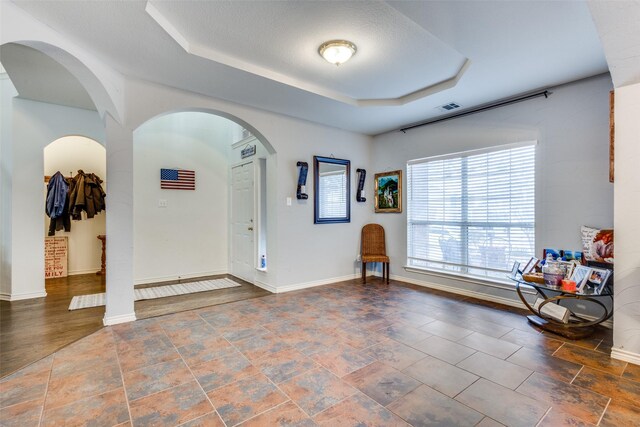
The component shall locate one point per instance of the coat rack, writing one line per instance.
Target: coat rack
(47, 178)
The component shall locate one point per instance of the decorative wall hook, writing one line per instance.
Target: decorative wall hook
(360, 193)
(301, 193)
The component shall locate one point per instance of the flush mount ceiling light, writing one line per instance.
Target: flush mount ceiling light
(337, 51)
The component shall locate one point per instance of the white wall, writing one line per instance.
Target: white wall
(189, 237)
(68, 155)
(572, 186)
(7, 92)
(34, 126)
(300, 252)
(312, 252)
(626, 322)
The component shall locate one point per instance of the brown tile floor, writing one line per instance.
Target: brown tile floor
(338, 355)
(33, 329)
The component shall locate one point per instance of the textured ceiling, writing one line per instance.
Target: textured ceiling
(247, 35)
(618, 24)
(38, 77)
(513, 47)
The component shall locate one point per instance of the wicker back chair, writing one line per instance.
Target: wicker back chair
(373, 249)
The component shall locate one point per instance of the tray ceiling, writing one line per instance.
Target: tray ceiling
(279, 41)
(264, 54)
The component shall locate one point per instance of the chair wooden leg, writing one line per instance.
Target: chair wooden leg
(364, 272)
(384, 269)
(388, 274)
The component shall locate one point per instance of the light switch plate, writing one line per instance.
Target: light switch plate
(162, 203)
(288, 201)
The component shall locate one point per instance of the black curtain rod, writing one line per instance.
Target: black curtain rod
(544, 93)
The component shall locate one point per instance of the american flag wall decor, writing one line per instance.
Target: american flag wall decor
(177, 179)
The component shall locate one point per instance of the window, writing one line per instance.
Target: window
(473, 212)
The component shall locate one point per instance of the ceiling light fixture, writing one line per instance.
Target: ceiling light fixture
(337, 51)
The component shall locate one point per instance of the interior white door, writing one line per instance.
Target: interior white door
(242, 224)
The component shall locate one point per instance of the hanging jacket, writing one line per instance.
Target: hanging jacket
(86, 195)
(57, 204)
(57, 193)
(63, 221)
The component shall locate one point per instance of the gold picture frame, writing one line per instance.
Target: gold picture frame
(388, 192)
(612, 134)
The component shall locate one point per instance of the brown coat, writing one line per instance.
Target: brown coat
(86, 195)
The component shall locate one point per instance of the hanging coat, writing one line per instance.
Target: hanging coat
(57, 191)
(86, 195)
(57, 204)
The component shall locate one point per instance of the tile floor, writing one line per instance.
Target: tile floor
(339, 355)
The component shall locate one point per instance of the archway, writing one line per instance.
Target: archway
(186, 236)
(107, 97)
(28, 126)
(31, 123)
(70, 156)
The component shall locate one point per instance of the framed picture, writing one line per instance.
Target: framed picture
(569, 266)
(598, 278)
(530, 265)
(580, 276)
(555, 253)
(514, 270)
(388, 192)
(612, 134)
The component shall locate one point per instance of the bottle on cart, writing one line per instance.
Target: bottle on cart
(552, 271)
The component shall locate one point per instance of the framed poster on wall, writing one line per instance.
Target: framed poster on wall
(56, 256)
(388, 192)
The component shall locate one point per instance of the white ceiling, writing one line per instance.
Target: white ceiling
(264, 54)
(618, 24)
(38, 77)
(388, 44)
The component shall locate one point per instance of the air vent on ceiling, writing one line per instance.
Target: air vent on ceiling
(449, 107)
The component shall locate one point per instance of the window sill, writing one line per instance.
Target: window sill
(505, 284)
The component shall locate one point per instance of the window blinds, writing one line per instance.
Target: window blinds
(473, 212)
(332, 192)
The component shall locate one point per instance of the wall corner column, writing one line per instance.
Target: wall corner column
(119, 224)
(626, 317)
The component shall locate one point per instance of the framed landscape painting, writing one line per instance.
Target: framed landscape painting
(388, 192)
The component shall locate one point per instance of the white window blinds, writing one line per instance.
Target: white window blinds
(332, 192)
(473, 212)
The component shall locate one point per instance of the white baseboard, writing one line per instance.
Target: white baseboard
(265, 286)
(305, 285)
(122, 318)
(18, 297)
(465, 292)
(87, 271)
(607, 323)
(481, 295)
(627, 356)
(149, 280)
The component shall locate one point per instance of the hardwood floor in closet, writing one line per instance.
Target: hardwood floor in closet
(33, 329)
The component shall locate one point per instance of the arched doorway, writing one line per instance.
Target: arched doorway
(185, 236)
(31, 122)
(70, 156)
